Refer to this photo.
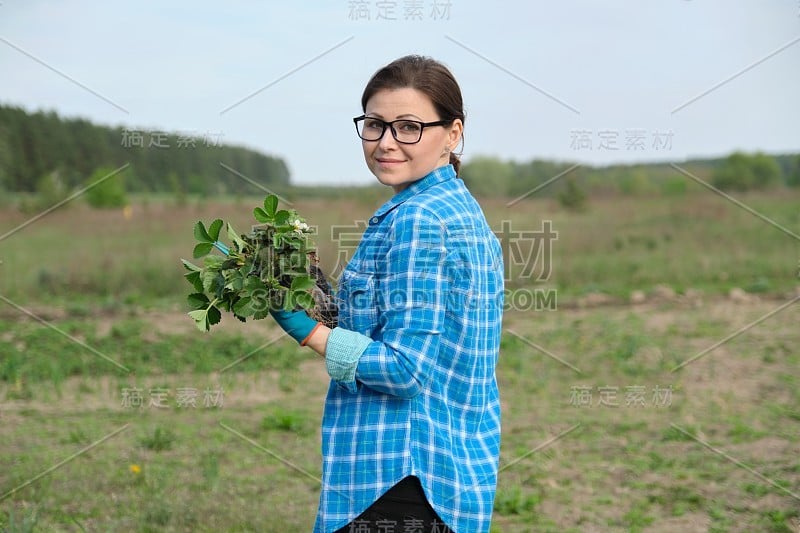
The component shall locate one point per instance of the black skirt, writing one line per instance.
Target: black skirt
(403, 509)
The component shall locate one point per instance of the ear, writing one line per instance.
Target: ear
(454, 133)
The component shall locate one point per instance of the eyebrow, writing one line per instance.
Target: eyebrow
(399, 117)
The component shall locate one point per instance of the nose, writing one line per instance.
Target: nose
(387, 140)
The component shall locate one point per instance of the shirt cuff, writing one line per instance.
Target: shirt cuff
(342, 352)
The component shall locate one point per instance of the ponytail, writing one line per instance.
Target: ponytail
(455, 161)
(455, 157)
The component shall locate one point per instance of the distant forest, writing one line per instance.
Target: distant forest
(34, 145)
(40, 152)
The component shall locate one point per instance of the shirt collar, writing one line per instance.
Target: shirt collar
(435, 177)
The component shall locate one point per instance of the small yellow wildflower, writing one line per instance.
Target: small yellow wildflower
(135, 469)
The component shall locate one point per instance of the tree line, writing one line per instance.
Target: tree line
(37, 146)
(490, 176)
(49, 155)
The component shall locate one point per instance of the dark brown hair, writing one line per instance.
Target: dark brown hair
(428, 76)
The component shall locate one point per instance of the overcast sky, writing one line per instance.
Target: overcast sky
(584, 81)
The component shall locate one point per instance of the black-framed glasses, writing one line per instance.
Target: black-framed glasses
(404, 131)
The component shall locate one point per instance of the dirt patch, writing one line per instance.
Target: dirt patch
(691, 522)
(727, 376)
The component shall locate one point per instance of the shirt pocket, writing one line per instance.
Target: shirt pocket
(356, 297)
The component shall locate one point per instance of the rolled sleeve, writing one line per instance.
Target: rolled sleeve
(342, 352)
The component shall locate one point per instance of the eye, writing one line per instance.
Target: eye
(408, 127)
(373, 123)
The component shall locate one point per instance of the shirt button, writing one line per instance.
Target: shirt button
(374, 220)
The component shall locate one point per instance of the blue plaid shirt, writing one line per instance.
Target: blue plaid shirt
(426, 285)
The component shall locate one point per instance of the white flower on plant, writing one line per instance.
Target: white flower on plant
(299, 225)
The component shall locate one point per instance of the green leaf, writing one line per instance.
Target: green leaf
(200, 318)
(260, 302)
(214, 316)
(303, 283)
(282, 217)
(243, 307)
(194, 279)
(198, 300)
(225, 304)
(218, 285)
(234, 280)
(189, 266)
(234, 237)
(199, 314)
(214, 228)
(304, 300)
(296, 242)
(208, 278)
(232, 262)
(261, 215)
(201, 234)
(252, 284)
(203, 248)
(271, 205)
(214, 262)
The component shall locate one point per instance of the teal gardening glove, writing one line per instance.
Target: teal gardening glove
(297, 324)
(343, 349)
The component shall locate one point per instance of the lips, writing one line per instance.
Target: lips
(387, 164)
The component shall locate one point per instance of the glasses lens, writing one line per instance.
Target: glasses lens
(370, 129)
(407, 131)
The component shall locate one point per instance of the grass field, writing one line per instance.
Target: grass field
(618, 415)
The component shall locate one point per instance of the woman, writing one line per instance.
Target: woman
(411, 427)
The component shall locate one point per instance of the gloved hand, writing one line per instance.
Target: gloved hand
(297, 324)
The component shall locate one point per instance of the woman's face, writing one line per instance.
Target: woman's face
(397, 164)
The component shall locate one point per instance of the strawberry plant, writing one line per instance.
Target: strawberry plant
(273, 267)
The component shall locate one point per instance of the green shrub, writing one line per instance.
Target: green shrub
(743, 172)
(106, 189)
(572, 197)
